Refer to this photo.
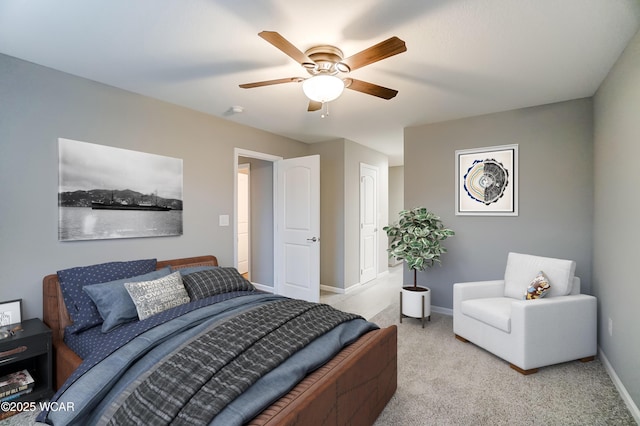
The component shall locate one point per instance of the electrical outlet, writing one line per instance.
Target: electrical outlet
(610, 327)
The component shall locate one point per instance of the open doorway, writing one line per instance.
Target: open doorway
(259, 216)
(244, 214)
(283, 221)
(253, 224)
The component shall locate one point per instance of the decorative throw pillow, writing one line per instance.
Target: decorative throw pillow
(538, 288)
(152, 297)
(82, 310)
(191, 269)
(113, 300)
(214, 281)
(521, 267)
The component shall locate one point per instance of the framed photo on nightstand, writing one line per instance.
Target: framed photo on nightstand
(10, 312)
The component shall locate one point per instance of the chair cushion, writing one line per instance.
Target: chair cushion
(522, 268)
(538, 288)
(493, 311)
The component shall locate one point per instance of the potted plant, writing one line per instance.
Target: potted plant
(417, 239)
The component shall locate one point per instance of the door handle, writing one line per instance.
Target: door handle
(313, 240)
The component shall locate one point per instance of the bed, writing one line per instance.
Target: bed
(347, 378)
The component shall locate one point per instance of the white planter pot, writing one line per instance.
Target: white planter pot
(415, 304)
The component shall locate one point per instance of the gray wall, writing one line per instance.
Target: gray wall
(396, 192)
(396, 198)
(354, 155)
(340, 209)
(261, 219)
(332, 255)
(39, 105)
(616, 229)
(555, 184)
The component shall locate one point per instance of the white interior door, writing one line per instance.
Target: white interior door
(297, 242)
(243, 218)
(368, 223)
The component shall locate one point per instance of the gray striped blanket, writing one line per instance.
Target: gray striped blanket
(193, 384)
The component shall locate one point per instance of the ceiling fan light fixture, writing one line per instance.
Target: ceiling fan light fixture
(323, 88)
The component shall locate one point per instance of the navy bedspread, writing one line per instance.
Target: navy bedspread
(130, 351)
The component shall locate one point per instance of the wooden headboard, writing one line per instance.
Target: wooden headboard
(56, 316)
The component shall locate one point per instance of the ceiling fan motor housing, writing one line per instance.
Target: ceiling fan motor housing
(326, 60)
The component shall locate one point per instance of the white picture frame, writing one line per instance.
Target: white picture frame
(487, 181)
(10, 312)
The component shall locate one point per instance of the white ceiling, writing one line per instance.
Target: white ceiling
(464, 57)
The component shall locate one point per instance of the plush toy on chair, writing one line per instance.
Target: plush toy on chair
(535, 317)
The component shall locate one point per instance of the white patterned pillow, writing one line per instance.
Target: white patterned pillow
(538, 287)
(152, 297)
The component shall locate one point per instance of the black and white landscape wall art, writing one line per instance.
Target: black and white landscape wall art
(106, 192)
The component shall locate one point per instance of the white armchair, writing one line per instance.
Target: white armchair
(528, 334)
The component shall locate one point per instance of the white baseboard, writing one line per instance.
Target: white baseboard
(263, 287)
(332, 289)
(633, 408)
(441, 310)
(351, 288)
(337, 290)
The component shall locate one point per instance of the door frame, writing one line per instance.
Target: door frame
(241, 152)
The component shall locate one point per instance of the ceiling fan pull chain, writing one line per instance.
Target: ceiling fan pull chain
(326, 110)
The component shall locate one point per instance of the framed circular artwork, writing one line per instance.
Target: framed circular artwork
(487, 181)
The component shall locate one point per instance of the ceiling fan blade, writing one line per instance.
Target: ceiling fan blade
(271, 82)
(380, 51)
(314, 106)
(285, 46)
(370, 88)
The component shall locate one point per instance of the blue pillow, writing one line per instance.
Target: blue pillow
(113, 301)
(82, 310)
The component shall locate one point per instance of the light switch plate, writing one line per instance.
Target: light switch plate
(223, 220)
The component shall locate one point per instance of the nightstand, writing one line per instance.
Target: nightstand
(30, 349)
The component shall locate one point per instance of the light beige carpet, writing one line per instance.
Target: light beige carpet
(442, 381)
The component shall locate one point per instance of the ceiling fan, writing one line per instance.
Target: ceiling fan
(329, 69)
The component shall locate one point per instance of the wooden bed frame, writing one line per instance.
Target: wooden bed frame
(352, 388)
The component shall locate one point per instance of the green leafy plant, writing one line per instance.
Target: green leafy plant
(416, 238)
